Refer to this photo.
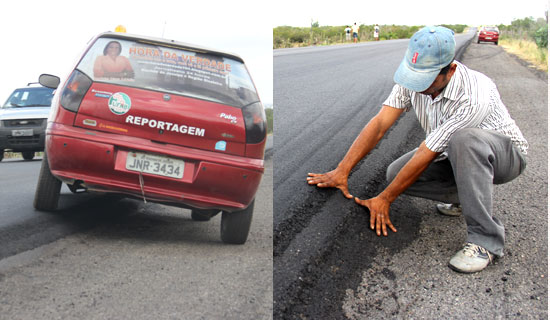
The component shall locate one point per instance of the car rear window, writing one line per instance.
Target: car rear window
(490, 29)
(30, 97)
(201, 75)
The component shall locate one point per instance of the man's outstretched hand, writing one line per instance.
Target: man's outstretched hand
(379, 214)
(331, 179)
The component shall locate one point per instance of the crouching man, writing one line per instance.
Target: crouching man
(471, 143)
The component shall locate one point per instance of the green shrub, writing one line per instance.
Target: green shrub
(269, 117)
(541, 37)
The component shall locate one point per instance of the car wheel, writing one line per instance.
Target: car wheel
(1, 154)
(203, 215)
(496, 43)
(478, 41)
(28, 155)
(236, 225)
(47, 189)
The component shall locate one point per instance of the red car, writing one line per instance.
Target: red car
(161, 121)
(488, 34)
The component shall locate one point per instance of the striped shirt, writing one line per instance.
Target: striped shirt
(470, 100)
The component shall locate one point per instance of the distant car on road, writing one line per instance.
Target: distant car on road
(23, 119)
(488, 34)
(161, 121)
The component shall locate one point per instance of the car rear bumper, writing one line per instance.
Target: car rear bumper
(97, 160)
(488, 39)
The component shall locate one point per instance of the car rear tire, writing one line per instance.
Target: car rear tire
(203, 215)
(1, 154)
(48, 188)
(28, 155)
(236, 225)
(496, 43)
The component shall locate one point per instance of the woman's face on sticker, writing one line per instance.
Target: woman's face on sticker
(113, 49)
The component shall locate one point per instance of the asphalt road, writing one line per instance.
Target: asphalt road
(105, 258)
(327, 262)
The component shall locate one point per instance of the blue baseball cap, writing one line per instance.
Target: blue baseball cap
(430, 50)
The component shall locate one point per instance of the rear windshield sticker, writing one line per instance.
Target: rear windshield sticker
(220, 145)
(111, 64)
(119, 103)
(164, 125)
(169, 69)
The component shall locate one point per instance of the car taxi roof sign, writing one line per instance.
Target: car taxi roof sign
(120, 28)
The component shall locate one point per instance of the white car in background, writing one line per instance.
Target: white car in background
(23, 119)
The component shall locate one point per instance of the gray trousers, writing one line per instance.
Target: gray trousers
(477, 159)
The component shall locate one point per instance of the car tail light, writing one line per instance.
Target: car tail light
(75, 90)
(255, 122)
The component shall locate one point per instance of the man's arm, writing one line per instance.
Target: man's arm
(363, 144)
(379, 206)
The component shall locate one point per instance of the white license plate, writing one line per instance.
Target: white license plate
(22, 133)
(153, 164)
(488, 38)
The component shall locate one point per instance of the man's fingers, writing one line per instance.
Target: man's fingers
(378, 221)
(392, 227)
(314, 179)
(372, 220)
(345, 191)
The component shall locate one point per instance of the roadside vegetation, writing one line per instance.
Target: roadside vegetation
(269, 117)
(290, 37)
(528, 39)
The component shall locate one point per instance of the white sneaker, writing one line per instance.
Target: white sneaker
(449, 209)
(472, 258)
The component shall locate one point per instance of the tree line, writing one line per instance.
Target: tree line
(288, 37)
(527, 28)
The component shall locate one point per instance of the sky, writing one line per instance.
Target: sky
(48, 36)
(405, 12)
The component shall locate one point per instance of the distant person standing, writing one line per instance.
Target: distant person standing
(348, 33)
(355, 30)
(376, 32)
